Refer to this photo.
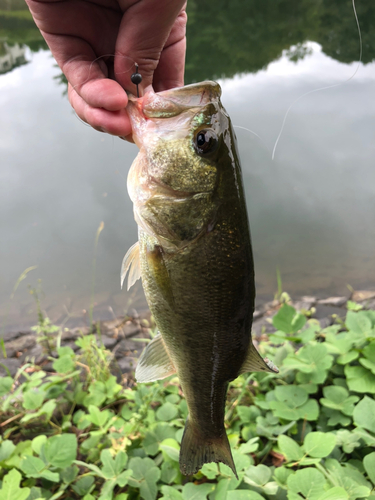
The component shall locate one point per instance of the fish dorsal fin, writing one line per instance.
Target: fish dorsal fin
(154, 363)
(255, 363)
(132, 263)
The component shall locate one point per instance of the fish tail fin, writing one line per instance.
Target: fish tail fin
(197, 450)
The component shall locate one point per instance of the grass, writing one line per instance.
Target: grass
(307, 433)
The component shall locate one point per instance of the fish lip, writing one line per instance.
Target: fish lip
(168, 103)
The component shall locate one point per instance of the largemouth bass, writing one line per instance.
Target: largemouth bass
(194, 257)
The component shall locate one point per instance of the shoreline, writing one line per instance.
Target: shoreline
(122, 336)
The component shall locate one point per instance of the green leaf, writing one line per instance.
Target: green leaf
(98, 417)
(6, 449)
(347, 440)
(288, 319)
(149, 489)
(152, 438)
(107, 490)
(281, 475)
(257, 475)
(319, 444)
(108, 470)
(250, 447)
(347, 477)
(358, 322)
(83, 485)
(35, 467)
(363, 414)
(123, 479)
(171, 448)
(335, 493)
(309, 482)
(146, 473)
(47, 409)
(338, 398)
(170, 493)
(167, 412)
(169, 473)
(33, 399)
(61, 450)
(5, 385)
(289, 448)
(37, 443)
(248, 414)
(311, 359)
(11, 487)
(243, 495)
(97, 394)
(193, 491)
(360, 379)
(292, 395)
(64, 364)
(369, 465)
(121, 496)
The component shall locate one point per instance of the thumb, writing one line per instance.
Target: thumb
(147, 28)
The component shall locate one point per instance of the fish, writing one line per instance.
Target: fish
(194, 257)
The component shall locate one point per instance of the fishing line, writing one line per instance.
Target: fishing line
(323, 88)
(256, 135)
(100, 57)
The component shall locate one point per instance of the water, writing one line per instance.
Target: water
(312, 209)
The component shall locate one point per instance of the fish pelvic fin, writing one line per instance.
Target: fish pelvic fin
(155, 362)
(197, 450)
(255, 363)
(132, 263)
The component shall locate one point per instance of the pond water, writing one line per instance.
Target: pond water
(311, 209)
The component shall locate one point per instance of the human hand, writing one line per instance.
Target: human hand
(78, 32)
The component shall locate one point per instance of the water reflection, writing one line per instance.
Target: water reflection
(311, 210)
(11, 56)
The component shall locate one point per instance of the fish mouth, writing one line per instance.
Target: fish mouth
(152, 107)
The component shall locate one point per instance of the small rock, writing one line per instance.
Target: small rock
(108, 342)
(370, 304)
(257, 314)
(333, 301)
(75, 333)
(324, 322)
(362, 295)
(19, 344)
(13, 364)
(126, 347)
(131, 329)
(305, 303)
(14, 335)
(112, 324)
(35, 353)
(127, 365)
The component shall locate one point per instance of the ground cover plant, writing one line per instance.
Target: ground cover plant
(307, 433)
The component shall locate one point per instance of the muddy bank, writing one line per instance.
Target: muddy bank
(123, 336)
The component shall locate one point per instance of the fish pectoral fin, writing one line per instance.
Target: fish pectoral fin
(255, 363)
(155, 362)
(132, 263)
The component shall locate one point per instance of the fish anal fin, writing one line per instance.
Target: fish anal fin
(155, 362)
(132, 263)
(198, 449)
(255, 363)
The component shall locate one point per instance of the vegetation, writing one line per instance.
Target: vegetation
(307, 433)
(227, 38)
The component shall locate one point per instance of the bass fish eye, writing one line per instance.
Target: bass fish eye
(205, 141)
